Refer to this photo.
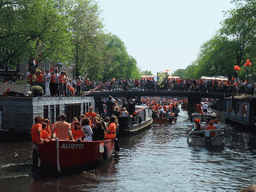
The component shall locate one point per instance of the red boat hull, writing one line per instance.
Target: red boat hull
(65, 154)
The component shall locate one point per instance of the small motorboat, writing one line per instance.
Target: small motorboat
(66, 154)
(203, 116)
(142, 119)
(204, 138)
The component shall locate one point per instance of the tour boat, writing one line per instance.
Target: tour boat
(203, 116)
(204, 138)
(130, 125)
(66, 154)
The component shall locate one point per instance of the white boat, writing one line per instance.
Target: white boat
(204, 138)
(203, 116)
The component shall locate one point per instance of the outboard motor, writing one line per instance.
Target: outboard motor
(207, 136)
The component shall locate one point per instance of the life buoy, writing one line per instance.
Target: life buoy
(105, 153)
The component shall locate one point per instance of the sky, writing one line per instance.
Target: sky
(163, 34)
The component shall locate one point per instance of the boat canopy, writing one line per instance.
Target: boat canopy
(174, 77)
(147, 76)
(219, 78)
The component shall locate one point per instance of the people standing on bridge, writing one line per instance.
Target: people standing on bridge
(62, 129)
(56, 84)
(110, 106)
(47, 80)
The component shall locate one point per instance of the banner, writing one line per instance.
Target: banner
(161, 79)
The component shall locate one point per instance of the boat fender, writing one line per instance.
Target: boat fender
(105, 153)
(117, 147)
(101, 148)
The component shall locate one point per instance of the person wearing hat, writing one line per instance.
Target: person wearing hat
(196, 125)
(216, 123)
(210, 127)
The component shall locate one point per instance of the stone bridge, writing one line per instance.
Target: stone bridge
(193, 97)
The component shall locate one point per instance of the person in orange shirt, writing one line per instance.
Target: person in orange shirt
(48, 123)
(36, 130)
(61, 83)
(40, 79)
(52, 84)
(111, 131)
(77, 132)
(44, 134)
(55, 131)
(75, 120)
(210, 127)
(90, 114)
(63, 128)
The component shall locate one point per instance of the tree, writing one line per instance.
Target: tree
(33, 29)
(146, 73)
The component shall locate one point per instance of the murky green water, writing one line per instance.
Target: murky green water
(157, 159)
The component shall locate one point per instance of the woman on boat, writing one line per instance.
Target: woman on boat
(75, 120)
(98, 130)
(77, 132)
(44, 134)
(86, 128)
(111, 131)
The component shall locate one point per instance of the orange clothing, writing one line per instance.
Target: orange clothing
(52, 127)
(61, 79)
(198, 108)
(40, 78)
(48, 130)
(210, 127)
(91, 115)
(112, 129)
(53, 78)
(77, 133)
(62, 129)
(44, 134)
(35, 132)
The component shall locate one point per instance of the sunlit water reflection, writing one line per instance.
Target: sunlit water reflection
(157, 159)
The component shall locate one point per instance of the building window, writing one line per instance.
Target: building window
(57, 111)
(45, 111)
(52, 112)
(1, 117)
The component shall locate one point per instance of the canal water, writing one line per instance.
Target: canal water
(157, 159)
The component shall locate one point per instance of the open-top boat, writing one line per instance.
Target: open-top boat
(142, 119)
(67, 154)
(204, 138)
(203, 116)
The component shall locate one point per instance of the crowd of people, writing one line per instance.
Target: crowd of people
(55, 83)
(86, 127)
(58, 84)
(174, 84)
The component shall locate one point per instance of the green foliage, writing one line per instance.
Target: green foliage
(67, 31)
(37, 90)
(146, 73)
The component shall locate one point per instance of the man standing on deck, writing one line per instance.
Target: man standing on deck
(62, 129)
(36, 130)
(110, 106)
(91, 115)
(101, 106)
